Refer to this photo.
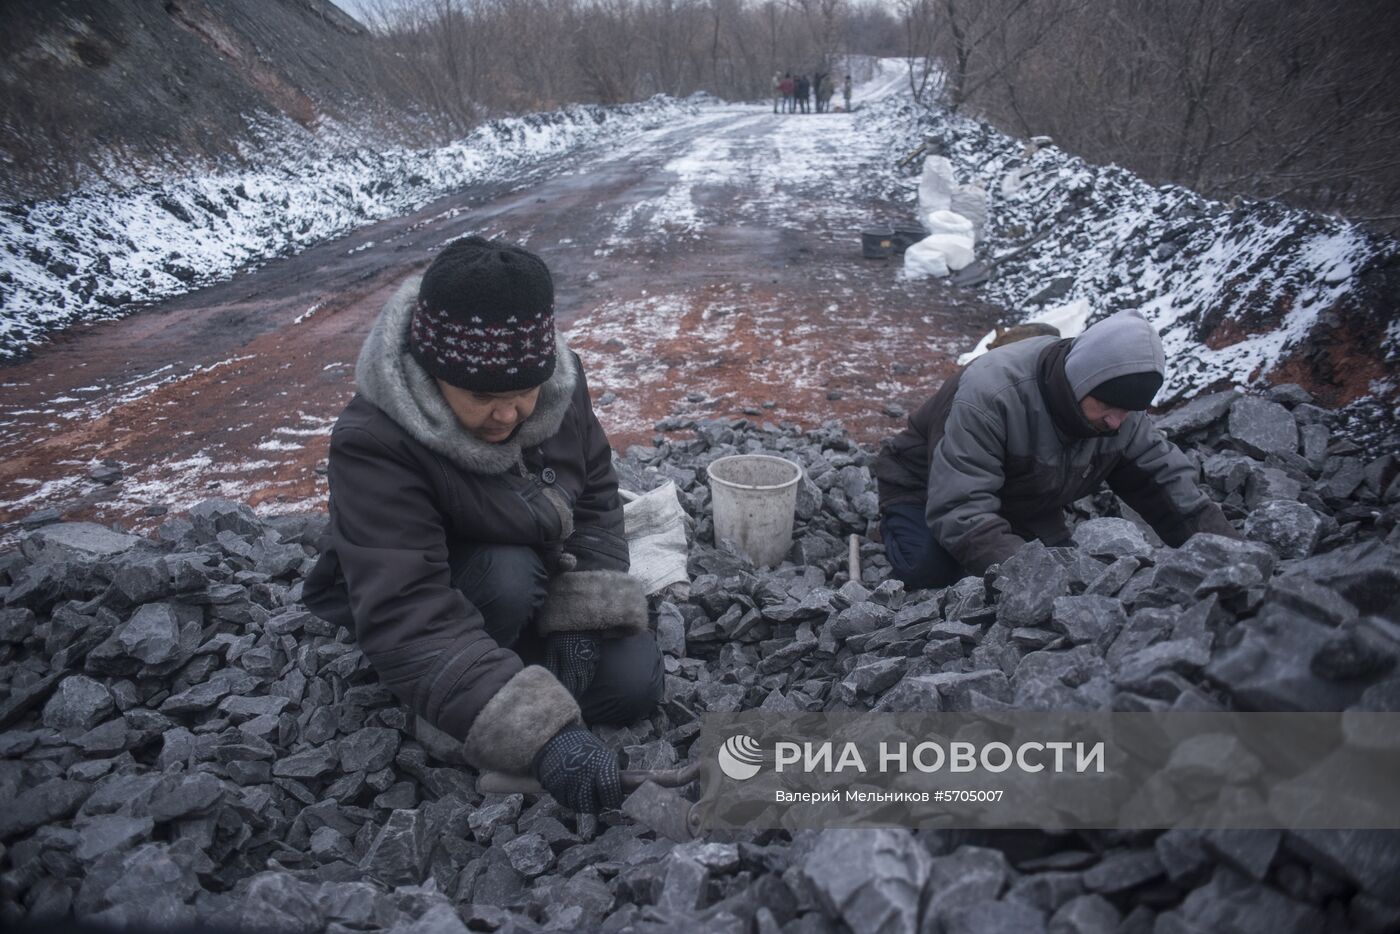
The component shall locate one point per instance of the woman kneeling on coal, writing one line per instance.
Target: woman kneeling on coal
(475, 543)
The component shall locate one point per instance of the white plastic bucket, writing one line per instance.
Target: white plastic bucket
(755, 498)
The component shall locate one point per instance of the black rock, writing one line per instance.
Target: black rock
(181, 796)
(1123, 870)
(277, 901)
(1297, 594)
(1350, 656)
(152, 635)
(106, 739)
(45, 803)
(1262, 427)
(1199, 413)
(111, 833)
(309, 763)
(990, 917)
(1088, 619)
(529, 854)
(400, 851)
(105, 475)
(1086, 914)
(1289, 528)
(82, 540)
(1270, 667)
(369, 749)
(40, 518)
(211, 517)
(78, 703)
(1252, 852)
(1179, 572)
(1370, 858)
(207, 694)
(967, 877)
(1234, 902)
(1029, 583)
(1366, 574)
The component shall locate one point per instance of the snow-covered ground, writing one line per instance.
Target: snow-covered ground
(101, 252)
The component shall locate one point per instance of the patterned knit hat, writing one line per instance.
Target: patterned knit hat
(484, 320)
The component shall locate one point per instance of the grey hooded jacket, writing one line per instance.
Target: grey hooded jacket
(409, 486)
(1003, 446)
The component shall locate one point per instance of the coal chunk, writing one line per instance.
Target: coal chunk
(1029, 582)
(369, 749)
(1262, 427)
(1111, 538)
(1200, 413)
(152, 635)
(871, 879)
(45, 803)
(1290, 528)
(1365, 574)
(79, 703)
(111, 833)
(400, 851)
(84, 540)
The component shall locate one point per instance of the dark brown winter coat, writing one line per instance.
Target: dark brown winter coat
(409, 485)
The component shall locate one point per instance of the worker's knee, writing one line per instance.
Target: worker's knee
(628, 683)
(506, 583)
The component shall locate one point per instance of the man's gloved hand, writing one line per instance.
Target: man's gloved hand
(579, 771)
(573, 658)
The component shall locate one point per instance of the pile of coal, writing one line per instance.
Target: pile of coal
(183, 743)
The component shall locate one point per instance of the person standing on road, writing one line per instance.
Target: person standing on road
(826, 89)
(475, 544)
(777, 90)
(803, 93)
(992, 459)
(788, 87)
(846, 92)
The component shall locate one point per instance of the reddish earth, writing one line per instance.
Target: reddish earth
(231, 391)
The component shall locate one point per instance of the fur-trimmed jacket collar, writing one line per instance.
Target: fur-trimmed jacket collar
(388, 376)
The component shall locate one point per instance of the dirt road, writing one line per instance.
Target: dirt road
(710, 267)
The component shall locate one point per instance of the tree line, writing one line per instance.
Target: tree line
(468, 60)
(1296, 100)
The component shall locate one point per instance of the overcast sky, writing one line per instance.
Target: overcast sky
(350, 6)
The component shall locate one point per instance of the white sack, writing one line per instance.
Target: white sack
(947, 222)
(656, 541)
(936, 186)
(924, 259)
(956, 248)
(971, 202)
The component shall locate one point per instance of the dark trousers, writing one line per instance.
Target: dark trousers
(507, 584)
(914, 554)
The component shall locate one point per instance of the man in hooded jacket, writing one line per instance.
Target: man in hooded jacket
(994, 457)
(476, 543)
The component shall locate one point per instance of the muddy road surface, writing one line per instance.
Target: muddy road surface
(709, 267)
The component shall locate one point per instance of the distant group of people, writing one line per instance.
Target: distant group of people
(795, 93)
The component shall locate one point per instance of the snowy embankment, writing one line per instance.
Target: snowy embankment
(104, 250)
(1246, 293)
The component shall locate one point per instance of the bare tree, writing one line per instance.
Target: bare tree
(1294, 100)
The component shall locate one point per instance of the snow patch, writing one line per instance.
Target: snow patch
(107, 249)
